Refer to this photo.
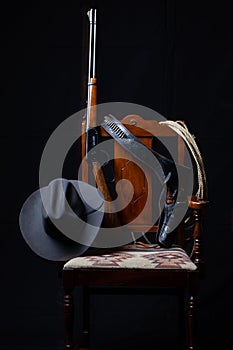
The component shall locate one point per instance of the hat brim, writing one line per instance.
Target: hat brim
(47, 247)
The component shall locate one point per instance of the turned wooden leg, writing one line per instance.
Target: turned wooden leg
(68, 318)
(192, 320)
(68, 285)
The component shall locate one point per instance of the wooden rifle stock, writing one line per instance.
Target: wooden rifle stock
(110, 218)
(92, 102)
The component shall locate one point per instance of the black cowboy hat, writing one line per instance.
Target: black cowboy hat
(61, 221)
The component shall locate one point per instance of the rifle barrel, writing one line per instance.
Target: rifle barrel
(90, 15)
(94, 46)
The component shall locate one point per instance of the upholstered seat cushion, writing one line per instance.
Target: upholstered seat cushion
(129, 257)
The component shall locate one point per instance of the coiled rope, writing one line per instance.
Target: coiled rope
(181, 129)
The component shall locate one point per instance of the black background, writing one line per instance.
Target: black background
(175, 57)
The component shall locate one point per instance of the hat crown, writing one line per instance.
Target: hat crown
(62, 206)
(62, 199)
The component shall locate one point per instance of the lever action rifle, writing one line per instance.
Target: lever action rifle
(90, 132)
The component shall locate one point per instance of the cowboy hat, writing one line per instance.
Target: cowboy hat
(61, 220)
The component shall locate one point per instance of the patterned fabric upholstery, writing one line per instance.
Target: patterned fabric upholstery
(129, 257)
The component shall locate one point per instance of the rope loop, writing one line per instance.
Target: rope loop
(181, 129)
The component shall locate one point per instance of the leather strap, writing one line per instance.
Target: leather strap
(167, 168)
(167, 171)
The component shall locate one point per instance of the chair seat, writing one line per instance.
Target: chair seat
(129, 257)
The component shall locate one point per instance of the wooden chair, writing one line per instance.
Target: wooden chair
(127, 266)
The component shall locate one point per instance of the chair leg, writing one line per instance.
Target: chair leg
(68, 318)
(192, 320)
(68, 286)
(86, 318)
(192, 304)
